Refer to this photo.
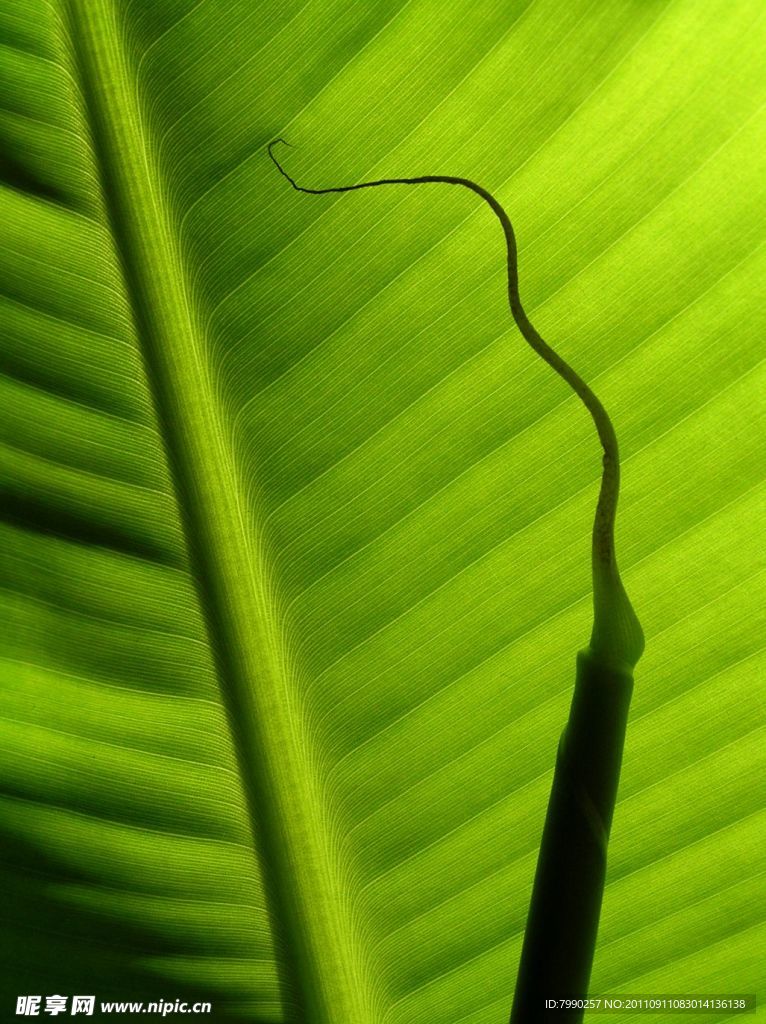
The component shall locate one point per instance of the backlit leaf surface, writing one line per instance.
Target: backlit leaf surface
(295, 537)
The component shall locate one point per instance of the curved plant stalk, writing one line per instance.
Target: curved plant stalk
(563, 916)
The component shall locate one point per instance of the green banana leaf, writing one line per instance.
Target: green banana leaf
(295, 529)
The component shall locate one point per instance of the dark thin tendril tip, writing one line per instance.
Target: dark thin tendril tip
(617, 636)
(278, 165)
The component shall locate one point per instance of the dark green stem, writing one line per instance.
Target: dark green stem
(560, 936)
(563, 916)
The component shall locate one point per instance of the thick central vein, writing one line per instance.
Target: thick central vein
(293, 827)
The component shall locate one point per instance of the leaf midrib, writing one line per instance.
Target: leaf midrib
(288, 812)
